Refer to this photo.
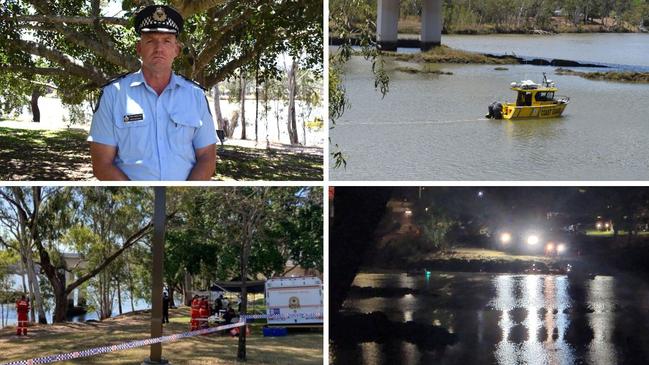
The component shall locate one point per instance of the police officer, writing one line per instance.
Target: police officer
(153, 124)
(165, 308)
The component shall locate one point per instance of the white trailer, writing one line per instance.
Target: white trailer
(294, 301)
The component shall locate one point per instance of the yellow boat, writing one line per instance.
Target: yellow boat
(533, 101)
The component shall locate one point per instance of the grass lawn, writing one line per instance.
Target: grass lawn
(610, 233)
(241, 163)
(28, 154)
(295, 349)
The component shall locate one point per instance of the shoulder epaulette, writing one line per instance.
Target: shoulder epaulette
(101, 88)
(115, 79)
(192, 81)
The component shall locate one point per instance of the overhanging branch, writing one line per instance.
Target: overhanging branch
(190, 7)
(79, 20)
(65, 61)
(228, 68)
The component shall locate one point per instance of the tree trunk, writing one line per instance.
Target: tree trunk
(106, 305)
(130, 287)
(27, 289)
(34, 286)
(171, 296)
(279, 135)
(119, 298)
(242, 83)
(60, 307)
(520, 14)
(187, 289)
(304, 128)
(241, 352)
(257, 102)
(22, 276)
(221, 123)
(266, 109)
(36, 112)
(292, 89)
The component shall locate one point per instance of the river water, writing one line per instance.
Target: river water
(432, 127)
(8, 310)
(585, 48)
(510, 319)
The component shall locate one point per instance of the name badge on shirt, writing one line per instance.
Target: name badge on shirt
(133, 117)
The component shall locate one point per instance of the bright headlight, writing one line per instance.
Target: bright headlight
(532, 239)
(549, 246)
(561, 248)
(599, 226)
(505, 237)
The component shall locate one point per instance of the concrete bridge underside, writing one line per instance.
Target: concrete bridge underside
(388, 19)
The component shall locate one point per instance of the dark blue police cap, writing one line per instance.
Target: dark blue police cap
(158, 18)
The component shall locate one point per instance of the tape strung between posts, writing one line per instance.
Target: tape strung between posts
(123, 346)
(284, 316)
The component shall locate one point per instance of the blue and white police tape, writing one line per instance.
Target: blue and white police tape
(284, 316)
(122, 346)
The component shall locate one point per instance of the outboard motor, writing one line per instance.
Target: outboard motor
(495, 110)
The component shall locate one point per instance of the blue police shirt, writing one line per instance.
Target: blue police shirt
(156, 136)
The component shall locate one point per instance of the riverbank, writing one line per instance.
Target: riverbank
(554, 25)
(631, 77)
(296, 348)
(470, 259)
(445, 54)
(598, 257)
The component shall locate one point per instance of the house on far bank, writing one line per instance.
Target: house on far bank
(291, 269)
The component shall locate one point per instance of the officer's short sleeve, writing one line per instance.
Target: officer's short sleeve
(102, 127)
(206, 133)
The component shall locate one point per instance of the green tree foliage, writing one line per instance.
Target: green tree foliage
(97, 223)
(8, 260)
(352, 21)
(202, 237)
(435, 225)
(213, 234)
(241, 232)
(73, 44)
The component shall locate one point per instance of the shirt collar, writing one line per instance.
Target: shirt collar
(138, 79)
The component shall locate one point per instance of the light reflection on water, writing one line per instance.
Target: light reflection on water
(503, 319)
(602, 321)
(538, 300)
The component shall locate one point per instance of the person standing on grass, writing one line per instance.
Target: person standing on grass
(153, 124)
(165, 308)
(22, 308)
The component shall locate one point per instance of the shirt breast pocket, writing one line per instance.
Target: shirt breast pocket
(181, 131)
(134, 138)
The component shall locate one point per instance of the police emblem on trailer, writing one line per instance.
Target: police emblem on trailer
(294, 302)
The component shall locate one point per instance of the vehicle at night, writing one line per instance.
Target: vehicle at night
(604, 225)
(531, 242)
